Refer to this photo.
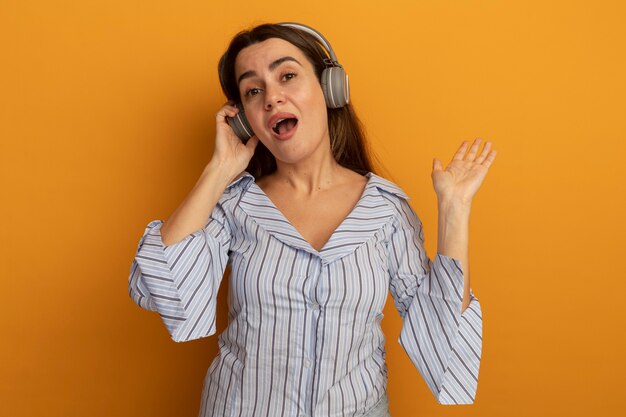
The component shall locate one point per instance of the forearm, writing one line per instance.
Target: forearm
(453, 239)
(193, 213)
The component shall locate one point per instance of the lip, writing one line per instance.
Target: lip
(275, 118)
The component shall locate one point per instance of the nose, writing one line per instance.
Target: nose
(273, 97)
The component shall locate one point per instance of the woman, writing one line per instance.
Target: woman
(315, 240)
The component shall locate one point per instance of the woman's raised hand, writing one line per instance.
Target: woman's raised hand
(230, 152)
(460, 180)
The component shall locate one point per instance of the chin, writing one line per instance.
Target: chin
(291, 158)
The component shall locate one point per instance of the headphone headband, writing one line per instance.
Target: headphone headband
(334, 79)
(333, 58)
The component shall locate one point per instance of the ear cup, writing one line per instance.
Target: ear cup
(336, 87)
(240, 125)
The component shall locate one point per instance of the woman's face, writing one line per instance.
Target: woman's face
(283, 100)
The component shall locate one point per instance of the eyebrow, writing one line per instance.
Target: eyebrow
(271, 67)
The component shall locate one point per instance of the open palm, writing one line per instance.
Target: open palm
(461, 179)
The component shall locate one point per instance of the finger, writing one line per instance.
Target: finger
(460, 153)
(226, 111)
(484, 153)
(490, 158)
(473, 150)
(252, 142)
(437, 166)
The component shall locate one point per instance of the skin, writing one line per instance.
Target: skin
(455, 186)
(311, 190)
(309, 187)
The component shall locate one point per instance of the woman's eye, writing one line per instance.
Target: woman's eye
(289, 75)
(253, 92)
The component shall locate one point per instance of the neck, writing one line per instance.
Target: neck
(307, 177)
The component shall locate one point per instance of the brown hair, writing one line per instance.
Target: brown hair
(346, 132)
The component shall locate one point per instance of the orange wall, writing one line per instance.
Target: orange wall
(106, 121)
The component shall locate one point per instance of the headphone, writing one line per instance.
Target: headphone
(334, 83)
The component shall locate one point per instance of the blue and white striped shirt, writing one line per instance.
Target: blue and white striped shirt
(304, 335)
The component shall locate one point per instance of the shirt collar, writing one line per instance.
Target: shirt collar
(244, 177)
(370, 215)
(386, 185)
(373, 180)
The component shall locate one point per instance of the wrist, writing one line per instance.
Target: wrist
(454, 206)
(219, 172)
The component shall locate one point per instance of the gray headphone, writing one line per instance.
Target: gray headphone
(334, 83)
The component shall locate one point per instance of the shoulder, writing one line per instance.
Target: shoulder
(235, 190)
(387, 188)
(396, 200)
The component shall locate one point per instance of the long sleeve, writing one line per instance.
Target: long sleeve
(180, 281)
(442, 343)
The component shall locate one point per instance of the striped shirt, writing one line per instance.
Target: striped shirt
(304, 335)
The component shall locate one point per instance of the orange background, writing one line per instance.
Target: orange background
(107, 120)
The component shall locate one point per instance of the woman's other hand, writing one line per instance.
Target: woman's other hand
(230, 153)
(460, 180)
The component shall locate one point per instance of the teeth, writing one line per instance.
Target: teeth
(277, 122)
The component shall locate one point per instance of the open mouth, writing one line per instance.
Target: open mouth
(283, 126)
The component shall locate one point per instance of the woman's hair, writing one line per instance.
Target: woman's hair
(347, 136)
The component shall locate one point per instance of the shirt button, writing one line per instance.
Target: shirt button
(307, 363)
